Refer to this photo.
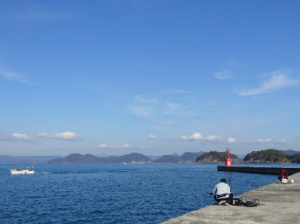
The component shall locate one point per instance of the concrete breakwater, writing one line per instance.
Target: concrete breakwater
(279, 204)
(261, 170)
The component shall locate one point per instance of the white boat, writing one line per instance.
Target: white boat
(24, 170)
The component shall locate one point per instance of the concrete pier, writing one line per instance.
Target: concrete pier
(257, 169)
(280, 203)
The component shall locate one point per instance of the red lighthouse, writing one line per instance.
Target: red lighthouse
(228, 160)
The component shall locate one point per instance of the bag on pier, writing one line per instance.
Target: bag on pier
(250, 204)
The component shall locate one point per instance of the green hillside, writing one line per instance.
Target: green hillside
(267, 156)
(215, 157)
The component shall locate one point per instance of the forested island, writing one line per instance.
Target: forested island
(216, 157)
(272, 156)
(263, 156)
(188, 157)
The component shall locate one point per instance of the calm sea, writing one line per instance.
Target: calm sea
(113, 193)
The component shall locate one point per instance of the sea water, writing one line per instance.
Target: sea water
(114, 193)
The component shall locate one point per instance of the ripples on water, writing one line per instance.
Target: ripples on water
(113, 193)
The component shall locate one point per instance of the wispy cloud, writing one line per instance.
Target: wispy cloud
(269, 140)
(126, 146)
(141, 111)
(231, 140)
(152, 136)
(107, 146)
(276, 82)
(10, 75)
(16, 137)
(165, 104)
(176, 91)
(171, 108)
(197, 136)
(212, 138)
(64, 135)
(169, 139)
(222, 75)
(143, 100)
(115, 146)
(142, 106)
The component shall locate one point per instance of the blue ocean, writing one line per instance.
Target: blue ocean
(114, 193)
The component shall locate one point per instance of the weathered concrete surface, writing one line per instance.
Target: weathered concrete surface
(281, 205)
(258, 169)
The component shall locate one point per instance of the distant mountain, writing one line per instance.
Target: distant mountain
(4, 159)
(174, 154)
(188, 157)
(103, 155)
(135, 158)
(153, 158)
(267, 156)
(216, 157)
(88, 158)
(200, 153)
(167, 159)
(290, 152)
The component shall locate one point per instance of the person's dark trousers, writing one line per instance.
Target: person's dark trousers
(228, 200)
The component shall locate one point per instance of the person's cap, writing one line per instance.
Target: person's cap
(223, 180)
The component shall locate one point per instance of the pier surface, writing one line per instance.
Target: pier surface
(258, 169)
(280, 203)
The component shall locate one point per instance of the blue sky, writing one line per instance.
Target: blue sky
(154, 77)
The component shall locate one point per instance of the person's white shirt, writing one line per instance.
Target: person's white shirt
(221, 189)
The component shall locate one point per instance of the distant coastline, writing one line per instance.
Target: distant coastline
(268, 156)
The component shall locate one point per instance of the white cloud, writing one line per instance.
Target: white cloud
(16, 136)
(222, 75)
(195, 136)
(277, 81)
(213, 138)
(267, 140)
(107, 146)
(231, 140)
(280, 141)
(64, 135)
(126, 146)
(152, 136)
(21, 137)
(198, 136)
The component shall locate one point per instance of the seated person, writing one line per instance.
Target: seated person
(284, 175)
(222, 192)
